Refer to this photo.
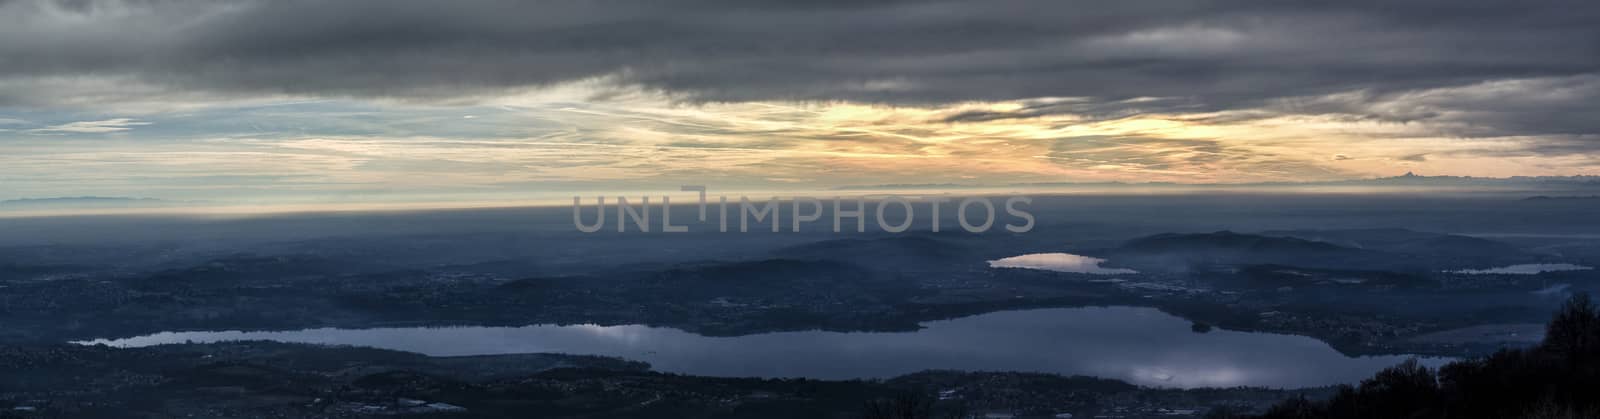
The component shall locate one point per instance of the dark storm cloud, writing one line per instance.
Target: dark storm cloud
(1195, 55)
(1422, 157)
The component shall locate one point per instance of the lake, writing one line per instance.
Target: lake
(1139, 345)
(1059, 262)
(1525, 269)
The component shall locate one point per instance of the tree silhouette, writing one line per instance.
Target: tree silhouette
(911, 405)
(1558, 379)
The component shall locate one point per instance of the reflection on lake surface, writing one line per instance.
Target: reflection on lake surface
(1139, 345)
(1059, 262)
(1527, 269)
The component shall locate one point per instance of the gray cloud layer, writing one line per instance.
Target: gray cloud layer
(1196, 55)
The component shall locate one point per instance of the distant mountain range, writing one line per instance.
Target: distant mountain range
(85, 202)
(1562, 198)
(1409, 180)
(1412, 179)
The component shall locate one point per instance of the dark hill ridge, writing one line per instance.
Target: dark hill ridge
(1401, 240)
(901, 252)
(256, 379)
(1449, 250)
(1175, 251)
(1228, 241)
(763, 270)
(22, 272)
(1370, 249)
(239, 269)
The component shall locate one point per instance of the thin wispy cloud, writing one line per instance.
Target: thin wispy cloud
(91, 127)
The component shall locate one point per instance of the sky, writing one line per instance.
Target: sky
(402, 100)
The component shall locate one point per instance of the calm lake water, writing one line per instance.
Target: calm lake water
(1138, 345)
(1525, 269)
(1059, 262)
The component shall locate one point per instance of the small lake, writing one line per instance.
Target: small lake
(1525, 269)
(1059, 262)
(1139, 345)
